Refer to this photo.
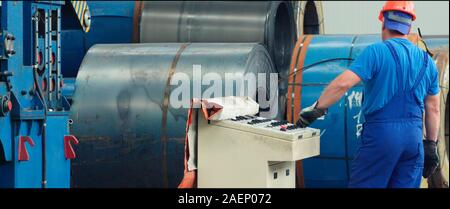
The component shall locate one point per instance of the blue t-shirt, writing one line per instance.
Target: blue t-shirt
(377, 69)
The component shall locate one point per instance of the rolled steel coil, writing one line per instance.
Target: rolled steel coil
(309, 17)
(129, 134)
(270, 23)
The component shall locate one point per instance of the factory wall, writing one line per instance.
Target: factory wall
(361, 17)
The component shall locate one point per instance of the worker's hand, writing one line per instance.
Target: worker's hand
(309, 115)
(431, 158)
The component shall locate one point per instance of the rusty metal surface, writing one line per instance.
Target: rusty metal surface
(130, 135)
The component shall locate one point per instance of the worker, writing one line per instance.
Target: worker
(400, 83)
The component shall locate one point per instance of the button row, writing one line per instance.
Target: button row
(279, 123)
(257, 121)
(247, 117)
(290, 127)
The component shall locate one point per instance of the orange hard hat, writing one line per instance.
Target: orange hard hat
(401, 6)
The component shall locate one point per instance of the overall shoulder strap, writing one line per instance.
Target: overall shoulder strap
(422, 71)
(397, 64)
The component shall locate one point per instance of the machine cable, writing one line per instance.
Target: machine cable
(424, 43)
(39, 70)
(44, 103)
(315, 64)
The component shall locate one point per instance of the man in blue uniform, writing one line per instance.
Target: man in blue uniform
(400, 84)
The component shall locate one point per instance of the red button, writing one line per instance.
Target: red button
(9, 105)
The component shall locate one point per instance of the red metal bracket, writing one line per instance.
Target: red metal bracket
(23, 153)
(68, 149)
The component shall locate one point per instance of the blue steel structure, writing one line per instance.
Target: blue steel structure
(35, 145)
(111, 22)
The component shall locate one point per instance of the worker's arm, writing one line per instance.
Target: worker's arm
(337, 89)
(331, 95)
(363, 68)
(432, 116)
(432, 120)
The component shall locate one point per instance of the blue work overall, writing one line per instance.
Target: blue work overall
(391, 151)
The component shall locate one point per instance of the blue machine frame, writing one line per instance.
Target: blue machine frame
(111, 22)
(35, 145)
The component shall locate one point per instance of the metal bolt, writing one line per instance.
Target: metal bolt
(87, 18)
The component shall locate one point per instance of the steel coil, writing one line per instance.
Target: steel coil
(270, 23)
(129, 134)
(309, 17)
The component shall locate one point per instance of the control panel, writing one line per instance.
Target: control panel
(274, 128)
(252, 152)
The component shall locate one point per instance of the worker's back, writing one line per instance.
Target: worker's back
(377, 68)
(397, 77)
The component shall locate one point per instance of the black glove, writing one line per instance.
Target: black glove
(431, 158)
(309, 115)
